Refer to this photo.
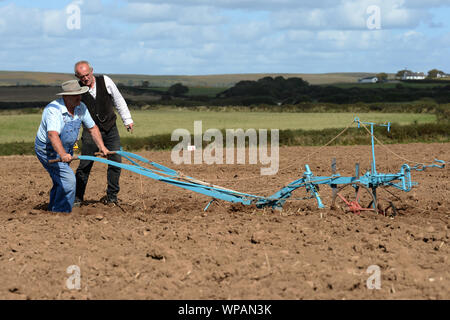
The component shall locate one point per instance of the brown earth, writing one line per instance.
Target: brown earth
(159, 244)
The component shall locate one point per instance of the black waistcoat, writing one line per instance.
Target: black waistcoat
(102, 107)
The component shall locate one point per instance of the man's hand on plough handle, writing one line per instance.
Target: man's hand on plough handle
(68, 158)
(103, 154)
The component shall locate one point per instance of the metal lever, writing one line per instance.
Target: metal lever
(333, 171)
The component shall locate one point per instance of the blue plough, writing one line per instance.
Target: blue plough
(354, 194)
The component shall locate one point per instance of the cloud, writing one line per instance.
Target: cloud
(245, 4)
(277, 5)
(426, 4)
(226, 36)
(20, 22)
(251, 30)
(286, 14)
(151, 12)
(92, 7)
(351, 15)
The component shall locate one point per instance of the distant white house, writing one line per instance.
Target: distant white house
(368, 80)
(413, 76)
(442, 75)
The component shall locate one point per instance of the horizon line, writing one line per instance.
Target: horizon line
(203, 75)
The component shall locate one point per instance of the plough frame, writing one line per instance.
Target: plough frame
(371, 180)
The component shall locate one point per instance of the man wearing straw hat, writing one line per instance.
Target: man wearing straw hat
(56, 136)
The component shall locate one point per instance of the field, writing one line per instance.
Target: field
(23, 127)
(160, 244)
(389, 85)
(219, 80)
(43, 95)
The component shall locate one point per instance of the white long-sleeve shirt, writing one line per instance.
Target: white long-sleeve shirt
(118, 100)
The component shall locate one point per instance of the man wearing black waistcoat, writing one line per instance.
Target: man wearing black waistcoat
(101, 99)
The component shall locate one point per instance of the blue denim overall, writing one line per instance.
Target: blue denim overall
(62, 194)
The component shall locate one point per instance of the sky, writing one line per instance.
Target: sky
(200, 37)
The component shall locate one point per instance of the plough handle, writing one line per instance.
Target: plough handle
(99, 154)
(59, 159)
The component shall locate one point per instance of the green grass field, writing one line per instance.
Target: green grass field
(22, 128)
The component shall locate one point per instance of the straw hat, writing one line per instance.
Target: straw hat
(72, 88)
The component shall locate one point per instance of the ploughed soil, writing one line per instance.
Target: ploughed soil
(160, 244)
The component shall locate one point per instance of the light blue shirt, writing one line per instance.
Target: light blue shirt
(55, 116)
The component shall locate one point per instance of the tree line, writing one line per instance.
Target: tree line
(296, 90)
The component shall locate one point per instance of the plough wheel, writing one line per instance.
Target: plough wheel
(354, 197)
